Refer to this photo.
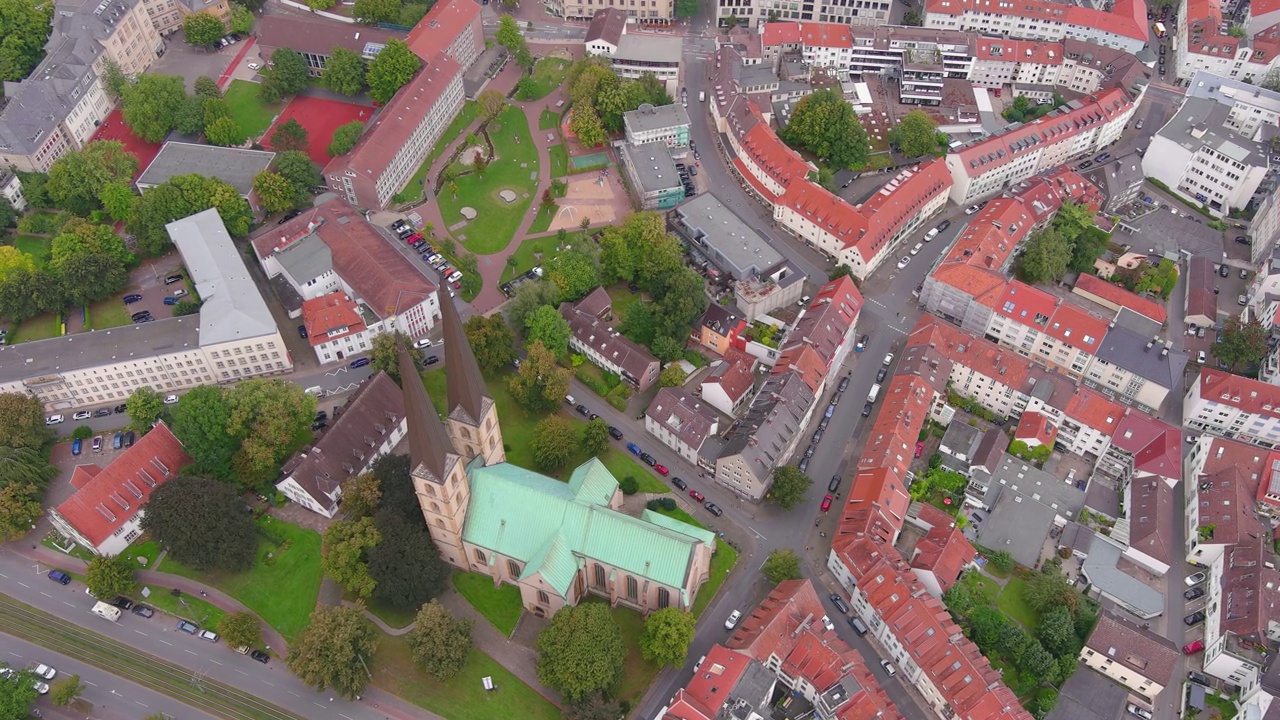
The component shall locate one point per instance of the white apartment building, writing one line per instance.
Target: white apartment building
(1234, 407)
(1124, 27)
(233, 338)
(681, 422)
(757, 13)
(11, 190)
(665, 123)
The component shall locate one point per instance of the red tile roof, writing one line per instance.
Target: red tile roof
(778, 33)
(1116, 296)
(1127, 17)
(1043, 195)
(825, 34)
(330, 312)
(106, 499)
(443, 23)
(898, 202)
(1269, 485)
(609, 25)
(711, 686)
(1234, 475)
(1151, 517)
(1251, 396)
(1019, 51)
(1203, 20)
(1035, 429)
(314, 35)
(771, 155)
(1077, 328)
(1026, 304)
(1093, 409)
(944, 550)
(1156, 446)
(734, 375)
(824, 209)
(822, 331)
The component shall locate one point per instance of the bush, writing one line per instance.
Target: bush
(654, 504)
(586, 375)
(82, 432)
(629, 485)
(41, 223)
(618, 397)
(667, 503)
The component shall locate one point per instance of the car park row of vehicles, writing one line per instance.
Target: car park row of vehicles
(430, 254)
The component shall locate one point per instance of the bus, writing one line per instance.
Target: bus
(1160, 31)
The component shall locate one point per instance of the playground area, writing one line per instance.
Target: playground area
(113, 128)
(321, 117)
(595, 196)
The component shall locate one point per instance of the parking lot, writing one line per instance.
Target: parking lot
(149, 282)
(1164, 232)
(190, 62)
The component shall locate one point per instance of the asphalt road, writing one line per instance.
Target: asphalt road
(112, 697)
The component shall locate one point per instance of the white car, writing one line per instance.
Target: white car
(1195, 579)
(179, 293)
(933, 233)
(45, 671)
(455, 276)
(826, 622)
(53, 419)
(888, 667)
(1139, 711)
(905, 261)
(209, 635)
(916, 250)
(253, 66)
(170, 399)
(422, 343)
(971, 209)
(732, 622)
(81, 415)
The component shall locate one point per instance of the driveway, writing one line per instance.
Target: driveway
(182, 59)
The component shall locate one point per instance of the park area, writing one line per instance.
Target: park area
(250, 112)
(320, 117)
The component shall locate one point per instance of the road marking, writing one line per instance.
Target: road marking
(143, 705)
(264, 682)
(293, 693)
(64, 602)
(313, 702)
(86, 682)
(142, 633)
(24, 585)
(166, 642)
(46, 594)
(4, 576)
(215, 662)
(242, 672)
(345, 716)
(189, 651)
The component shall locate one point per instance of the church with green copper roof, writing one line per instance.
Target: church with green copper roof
(556, 541)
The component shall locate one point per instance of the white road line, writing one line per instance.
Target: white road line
(345, 716)
(188, 651)
(166, 642)
(243, 673)
(4, 576)
(293, 693)
(264, 682)
(142, 633)
(24, 585)
(313, 702)
(138, 703)
(64, 602)
(215, 662)
(90, 684)
(46, 594)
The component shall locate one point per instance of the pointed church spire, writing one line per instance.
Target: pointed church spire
(429, 445)
(467, 391)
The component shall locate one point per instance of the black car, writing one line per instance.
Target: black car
(822, 424)
(615, 433)
(1193, 593)
(681, 484)
(1086, 165)
(302, 331)
(259, 656)
(143, 611)
(817, 436)
(319, 425)
(122, 602)
(173, 279)
(1242, 239)
(647, 459)
(834, 485)
(120, 409)
(1194, 618)
(142, 316)
(880, 375)
(288, 216)
(844, 381)
(592, 416)
(839, 603)
(131, 299)
(129, 437)
(713, 508)
(808, 452)
(431, 360)
(582, 410)
(944, 225)
(866, 409)
(321, 415)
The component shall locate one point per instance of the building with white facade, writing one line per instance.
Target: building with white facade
(663, 123)
(756, 13)
(11, 190)
(1202, 43)
(1233, 406)
(1130, 655)
(331, 249)
(681, 421)
(1124, 26)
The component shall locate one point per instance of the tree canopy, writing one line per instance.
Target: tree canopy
(595, 437)
(24, 29)
(145, 406)
(289, 135)
(334, 649)
(275, 192)
(344, 72)
(539, 386)
(225, 132)
(77, 178)
(492, 342)
(109, 576)
(394, 66)
(287, 75)
(17, 695)
(152, 105)
(296, 167)
(266, 414)
(406, 566)
(240, 629)
(182, 196)
(666, 637)
(555, 440)
(22, 421)
(548, 326)
(345, 137)
(1241, 343)
(789, 486)
(202, 524)
(916, 134)
(440, 643)
(202, 29)
(342, 556)
(581, 651)
(782, 565)
(825, 124)
(1045, 256)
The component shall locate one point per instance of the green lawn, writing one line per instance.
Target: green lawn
(527, 254)
(548, 120)
(501, 606)
(542, 221)
(394, 617)
(622, 299)
(77, 551)
(982, 584)
(108, 313)
(40, 327)
(37, 247)
(189, 607)
(721, 564)
(515, 169)
(281, 589)
(148, 549)
(463, 697)
(621, 465)
(470, 111)
(682, 516)
(1012, 602)
(248, 110)
(548, 73)
(559, 160)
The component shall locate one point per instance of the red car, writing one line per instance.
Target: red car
(919, 449)
(1192, 648)
(412, 239)
(662, 470)
(826, 502)
(696, 495)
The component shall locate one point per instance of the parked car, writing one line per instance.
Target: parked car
(615, 433)
(118, 441)
(170, 399)
(881, 373)
(1139, 711)
(648, 459)
(59, 577)
(302, 331)
(826, 502)
(54, 419)
(1195, 578)
(1194, 618)
(713, 508)
(866, 409)
(697, 495)
(131, 299)
(844, 381)
(888, 667)
(120, 409)
(431, 360)
(129, 437)
(633, 448)
(179, 292)
(44, 671)
(971, 209)
(143, 611)
(582, 410)
(1192, 648)
(661, 470)
(140, 316)
(187, 627)
(97, 444)
(102, 412)
(175, 278)
(732, 622)
(905, 261)
(840, 604)
(834, 484)
(82, 415)
(259, 656)
(122, 602)
(209, 635)
(1223, 270)
(76, 445)
(680, 484)
(359, 362)
(942, 226)
(1194, 593)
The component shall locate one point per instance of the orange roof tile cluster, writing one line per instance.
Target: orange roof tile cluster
(733, 375)
(1048, 314)
(710, 687)
(1040, 52)
(898, 202)
(442, 24)
(1204, 29)
(1156, 446)
(1043, 195)
(1035, 429)
(772, 156)
(1266, 44)
(1119, 297)
(812, 346)
(1127, 17)
(943, 550)
(952, 663)
(807, 34)
(1251, 396)
(332, 313)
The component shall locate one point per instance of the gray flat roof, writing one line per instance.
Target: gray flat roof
(233, 308)
(1228, 92)
(98, 347)
(1024, 502)
(653, 166)
(1088, 695)
(307, 259)
(235, 166)
(1207, 118)
(1127, 349)
(732, 243)
(666, 49)
(1102, 569)
(651, 117)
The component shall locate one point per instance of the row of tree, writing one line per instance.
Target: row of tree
(600, 98)
(24, 470)
(204, 29)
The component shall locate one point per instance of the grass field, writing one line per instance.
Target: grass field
(470, 111)
(501, 606)
(542, 221)
(721, 565)
(394, 617)
(1012, 602)
(37, 247)
(283, 593)
(548, 73)
(548, 120)
(682, 516)
(527, 254)
(622, 298)
(108, 313)
(40, 327)
(248, 110)
(559, 160)
(515, 169)
(148, 549)
(621, 465)
(463, 697)
(188, 607)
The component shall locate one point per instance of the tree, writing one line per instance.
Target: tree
(912, 18)
(225, 132)
(344, 72)
(597, 705)
(782, 565)
(360, 496)
(206, 111)
(824, 124)
(406, 565)
(117, 198)
(539, 386)
(180, 197)
(65, 690)
(1001, 561)
(152, 104)
(199, 420)
(17, 691)
(34, 188)
(241, 19)
(377, 11)
(575, 270)
(296, 167)
(1241, 342)
(686, 8)
(581, 651)
(1048, 589)
(82, 237)
(345, 137)
(22, 421)
(1088, 247)
(509, 36)
(334, 649)
(528, 298)
(1044, 257)
(20, 465)
(440, 643)
(1035, 660)
(266, 415)
(288, 75)
(586, 125)
(385, 354)
(202, 30)
(554, 441)
(13, 262)
(275, 192)
(916, 134)
(789, 486)
(492, 103)
(145, 406)
(27, 293)
(108, 577)
(492, 342)
(666, 637)
(240, 629)
(548, 326)
(289, 135)
(595, 437)
(672, 376)
(76, 178)
(19, 509)
(202, 524)
(206, 87)
(24, 30)
(394, 66)
(1057, 632)
(342, 556)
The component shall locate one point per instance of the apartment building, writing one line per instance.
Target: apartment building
(1199, 157)
(316, 38)
(1074, 65)
(653, 180)
(1232, 406)
(728, 387)
(11, 190)
(1202, 43)
(632, 54)
(665, 123)
(63, 101)
(1124, 26)
(167, 16)
(235, 166)
(607, 348)
(681, 421)
(759, 13)
(346, 280)
(1039, 325)
(1078, 129)
(647, 12)
(1132, 656)
(824, 334)
(453, 27)
(765, 435)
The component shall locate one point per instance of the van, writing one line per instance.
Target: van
(858, 626)
(875, 391)
(702, 96)
(106, 612)
(569, 399)
(315, 391)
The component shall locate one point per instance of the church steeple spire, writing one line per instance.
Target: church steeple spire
(467, 392)
(429, 446)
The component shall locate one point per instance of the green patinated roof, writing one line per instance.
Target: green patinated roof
(680, 526)
(548, 525)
